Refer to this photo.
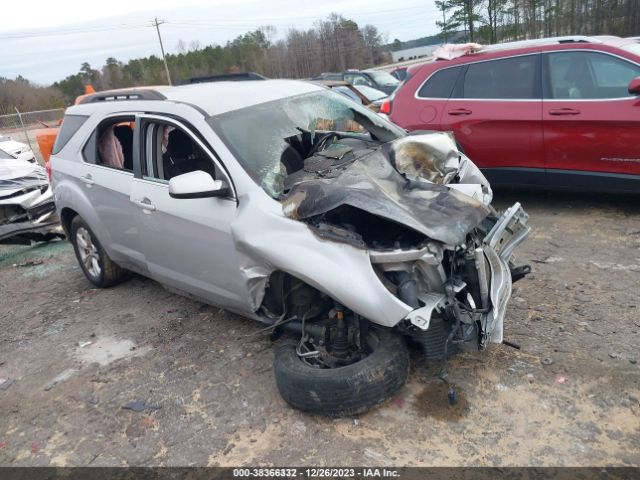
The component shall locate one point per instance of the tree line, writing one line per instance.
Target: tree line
(26, 96)
(334, 43)
(493, 21)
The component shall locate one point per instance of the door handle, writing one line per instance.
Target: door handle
(564, 111)
(145, 203)
(87, 179)
(460, 111)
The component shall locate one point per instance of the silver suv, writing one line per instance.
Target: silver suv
(292, 205)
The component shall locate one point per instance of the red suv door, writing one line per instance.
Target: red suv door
(591, 122)
(496, 114)
(423, 109)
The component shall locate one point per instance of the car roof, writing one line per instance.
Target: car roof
(214, 98)
(331, 83)
(520, 47)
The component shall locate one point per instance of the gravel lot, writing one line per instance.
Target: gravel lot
(569, 397)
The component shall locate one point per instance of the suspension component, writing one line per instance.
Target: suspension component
(340, 344)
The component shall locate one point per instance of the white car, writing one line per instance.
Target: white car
(19, 150)
(27, 211)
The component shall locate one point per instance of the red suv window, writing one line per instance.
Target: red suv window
(589, 75)
(440, 84)
(506, 78)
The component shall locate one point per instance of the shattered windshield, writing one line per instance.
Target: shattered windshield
(271, 140)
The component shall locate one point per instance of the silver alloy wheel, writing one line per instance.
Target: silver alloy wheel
(88, 252)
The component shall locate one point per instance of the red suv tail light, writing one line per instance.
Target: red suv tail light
(385, 107)
(47, 167)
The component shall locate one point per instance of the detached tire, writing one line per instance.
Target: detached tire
(94, 261)
(347, 390)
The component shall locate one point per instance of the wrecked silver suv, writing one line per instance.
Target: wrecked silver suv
(292, 205)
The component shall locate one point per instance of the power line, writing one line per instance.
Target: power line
(197, 23)
(75, 31)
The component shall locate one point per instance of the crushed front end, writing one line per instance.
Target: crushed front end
(423, 213)
(27, 209)
(460, 292)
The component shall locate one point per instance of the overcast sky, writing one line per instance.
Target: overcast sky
(45, 40)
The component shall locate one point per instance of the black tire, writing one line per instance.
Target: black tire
(347, 390)
(110, 273)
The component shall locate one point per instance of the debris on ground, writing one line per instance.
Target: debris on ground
(140, 407)
(5, 383)
(84, 344)
(65, 375)
(148, 421)
(560, 379)
(28, 263)
(547, 361)
(377, 457)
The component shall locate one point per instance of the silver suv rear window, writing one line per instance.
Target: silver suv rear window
(70, 126)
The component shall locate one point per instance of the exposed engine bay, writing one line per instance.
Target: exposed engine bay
(422, 211)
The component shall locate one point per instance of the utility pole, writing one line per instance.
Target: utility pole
(164, 58)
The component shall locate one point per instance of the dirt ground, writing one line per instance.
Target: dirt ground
(569, 397)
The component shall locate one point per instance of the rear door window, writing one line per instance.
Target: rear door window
(440, 84)
(507, 78)
(111, 144)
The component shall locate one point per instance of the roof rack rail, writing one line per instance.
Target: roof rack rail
(224, 77)
(541, 41)
(123, 94)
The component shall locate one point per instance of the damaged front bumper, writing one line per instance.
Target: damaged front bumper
(27, 211)
(470, 285)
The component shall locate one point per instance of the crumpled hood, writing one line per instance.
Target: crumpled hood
(412, 193)
(12, 146)
(14, 169)
(16, 175)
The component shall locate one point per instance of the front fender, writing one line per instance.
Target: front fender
(267, 241)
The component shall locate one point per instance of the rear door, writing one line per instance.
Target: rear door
(106, 176)
(591, 122)
(187, 243)
(424, 111)
(496, 115)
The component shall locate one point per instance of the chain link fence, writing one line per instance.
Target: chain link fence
(22, 126)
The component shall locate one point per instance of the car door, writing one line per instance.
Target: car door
(591, 122)
(424, 111)
(187, 243)
(496, 115)
(106, 177)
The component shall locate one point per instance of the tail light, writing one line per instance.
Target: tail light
(47, 167)
(385, 107)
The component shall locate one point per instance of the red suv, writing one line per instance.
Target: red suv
(556, 112)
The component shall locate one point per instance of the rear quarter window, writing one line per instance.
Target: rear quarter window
(70, 126)
(440, 84)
